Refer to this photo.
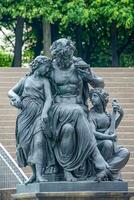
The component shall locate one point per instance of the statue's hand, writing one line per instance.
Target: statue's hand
(112, 137)
(16, 102)
(117, 108)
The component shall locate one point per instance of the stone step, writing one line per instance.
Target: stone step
(112, 69)
(119, 89)
(5, 130)
(11, 111)
(8, 142)
(125, 135)
(129, 147)
(8, 117)
(7, 123)
(131, 189)
(13, 79)
(8, 84)
(128, 175)
(122, 95)
(128, 168)
(116, 74)
(125, 129)
(13, 69)
(131, 159)
(125, 99)
(118, 84)
(13, 74)
(126, 141)
(126, 122)
(7, 136)
(110, 79)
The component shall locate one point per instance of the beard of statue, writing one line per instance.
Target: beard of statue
(64, 60)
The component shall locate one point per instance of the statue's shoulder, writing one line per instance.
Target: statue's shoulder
(78, 60)
(80, 63)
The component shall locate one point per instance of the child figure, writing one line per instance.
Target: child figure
(104, 125)
(32, 95)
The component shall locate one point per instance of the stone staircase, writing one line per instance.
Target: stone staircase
(119, 82)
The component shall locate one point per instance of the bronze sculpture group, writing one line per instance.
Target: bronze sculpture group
(55, 130)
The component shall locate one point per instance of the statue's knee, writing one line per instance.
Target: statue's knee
(68, 128)
(125, 153)
(108, 145)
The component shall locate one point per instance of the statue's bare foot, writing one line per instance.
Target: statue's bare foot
(41, 179)
(104, 175)
(31, 179)
(69, 177)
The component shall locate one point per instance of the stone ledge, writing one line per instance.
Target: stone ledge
(64, 186)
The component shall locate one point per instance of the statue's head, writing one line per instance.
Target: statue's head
(63, 48)
(42, 64)
(99, 96)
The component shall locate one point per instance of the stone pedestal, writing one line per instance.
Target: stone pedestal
(81, 190)
(64, 186)
(74, 196)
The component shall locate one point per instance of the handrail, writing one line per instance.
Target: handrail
(10, 162)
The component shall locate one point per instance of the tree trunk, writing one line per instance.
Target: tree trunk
(18, 42)
(54, 31)
(79, 41)
(115, 57)
(38, 30)
(46, 37)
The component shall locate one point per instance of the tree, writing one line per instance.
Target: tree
(115, 14)
(26, 10)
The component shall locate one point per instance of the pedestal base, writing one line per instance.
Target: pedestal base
(75, 196)
(81, 190)
(65, 186)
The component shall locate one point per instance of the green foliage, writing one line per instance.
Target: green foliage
(27, 56)
(94, 17)
(5, 59)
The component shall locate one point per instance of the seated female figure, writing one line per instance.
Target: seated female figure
(104, 126)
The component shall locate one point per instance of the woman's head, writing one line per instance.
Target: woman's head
(99, 96)
(42, 64)
(62, 48)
